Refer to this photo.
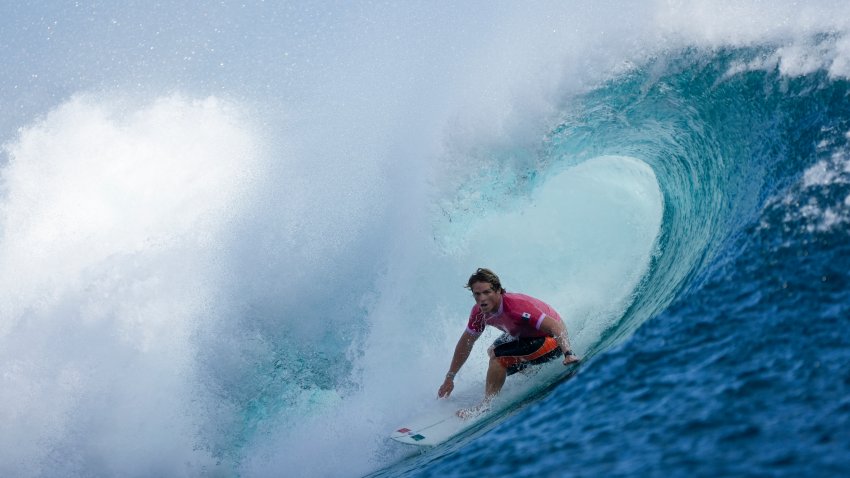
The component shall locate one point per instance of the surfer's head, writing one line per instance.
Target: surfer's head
(487, 290)
(488, 276)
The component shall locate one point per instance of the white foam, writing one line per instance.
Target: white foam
(111, 221)
(795, 31)
(818, 212)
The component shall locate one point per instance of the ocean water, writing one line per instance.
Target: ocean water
(234, 236)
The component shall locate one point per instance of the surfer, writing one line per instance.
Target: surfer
(533, 333)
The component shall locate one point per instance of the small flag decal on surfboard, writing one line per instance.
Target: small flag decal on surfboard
(409, 433)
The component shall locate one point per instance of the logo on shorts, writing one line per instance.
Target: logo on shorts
(526, 316)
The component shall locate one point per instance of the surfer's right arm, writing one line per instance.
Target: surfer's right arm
(462, 350)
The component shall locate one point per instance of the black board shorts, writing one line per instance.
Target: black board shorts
(516, 354)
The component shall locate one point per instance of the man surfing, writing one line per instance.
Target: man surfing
(533, 333)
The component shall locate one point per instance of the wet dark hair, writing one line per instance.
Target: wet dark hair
(488, 276)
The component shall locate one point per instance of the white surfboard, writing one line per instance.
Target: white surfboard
(436, 426)
(439, 422)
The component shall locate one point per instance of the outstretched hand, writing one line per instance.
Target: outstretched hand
(446, 388)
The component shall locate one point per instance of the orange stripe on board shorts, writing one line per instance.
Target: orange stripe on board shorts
(518, 354)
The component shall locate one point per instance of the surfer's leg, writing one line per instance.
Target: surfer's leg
(497, 371)
(496, 375)
(508, 356)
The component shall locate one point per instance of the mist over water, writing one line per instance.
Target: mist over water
(234, 237)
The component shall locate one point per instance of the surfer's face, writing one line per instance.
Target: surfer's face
(486, 298)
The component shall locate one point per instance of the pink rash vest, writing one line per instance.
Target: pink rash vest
(519, 315)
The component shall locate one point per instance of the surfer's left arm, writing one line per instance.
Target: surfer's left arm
(558, 330)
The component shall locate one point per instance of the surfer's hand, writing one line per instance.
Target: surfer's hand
(446, 388)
